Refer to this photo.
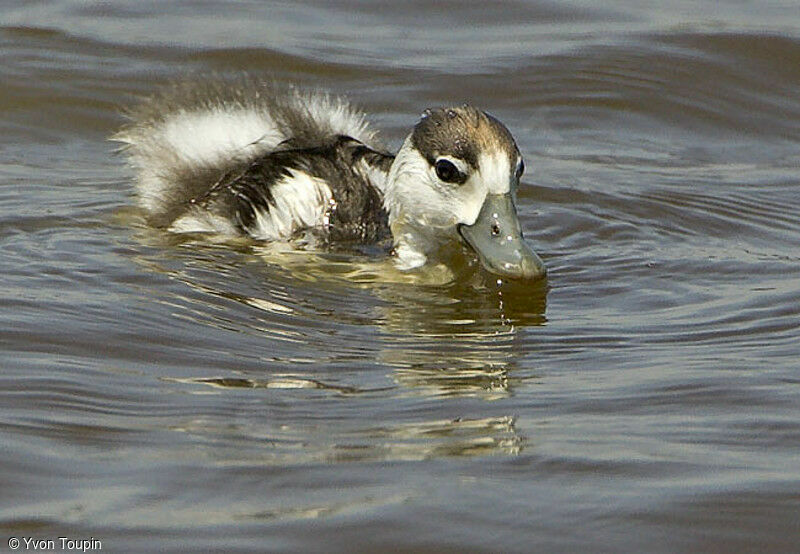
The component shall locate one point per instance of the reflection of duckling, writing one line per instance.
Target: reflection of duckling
(251, 158)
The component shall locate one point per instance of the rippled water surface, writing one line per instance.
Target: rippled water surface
(164, 394)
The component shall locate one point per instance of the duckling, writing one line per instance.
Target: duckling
(251, 157)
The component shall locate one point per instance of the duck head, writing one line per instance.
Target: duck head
(456, 176)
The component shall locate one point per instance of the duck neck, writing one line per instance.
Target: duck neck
(411, 245)
(407, 199)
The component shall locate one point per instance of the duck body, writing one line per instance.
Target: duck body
(255, 158)
(325, 188)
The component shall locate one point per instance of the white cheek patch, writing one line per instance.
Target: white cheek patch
(415, 193)
(411, 188)
(494, 177)
(495, 171)
(471, 196)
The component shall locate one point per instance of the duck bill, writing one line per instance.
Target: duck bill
(496, 237)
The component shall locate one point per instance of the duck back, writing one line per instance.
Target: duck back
(252, 156)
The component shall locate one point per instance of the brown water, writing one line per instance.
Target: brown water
(164, 395)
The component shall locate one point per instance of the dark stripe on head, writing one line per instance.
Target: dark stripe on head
(462, 133)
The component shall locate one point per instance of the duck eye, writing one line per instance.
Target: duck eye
(520, 168)
(447, 171)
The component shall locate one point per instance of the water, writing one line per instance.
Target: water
(161, 394)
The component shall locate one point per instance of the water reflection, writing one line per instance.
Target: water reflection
(298, 316)
(462, 340)
(431, 439)
(275, 382)
(253, 438)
